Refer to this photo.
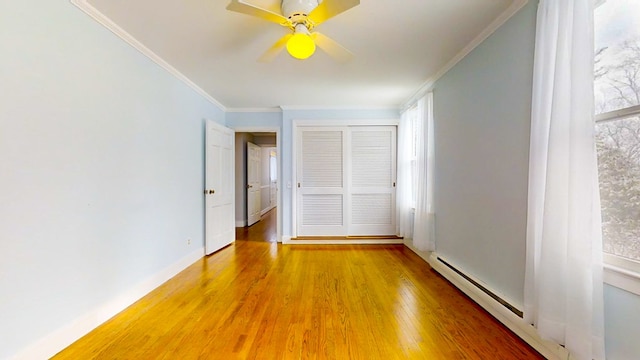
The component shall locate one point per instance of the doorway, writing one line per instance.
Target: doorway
(257, 182)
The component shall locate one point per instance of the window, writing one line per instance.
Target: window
(617, 105)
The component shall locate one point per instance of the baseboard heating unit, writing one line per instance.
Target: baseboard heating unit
(495, 297)
(498, 306)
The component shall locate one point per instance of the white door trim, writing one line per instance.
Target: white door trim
(277, 130)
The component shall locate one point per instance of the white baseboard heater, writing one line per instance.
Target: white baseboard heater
(495, 297)
(496, 305)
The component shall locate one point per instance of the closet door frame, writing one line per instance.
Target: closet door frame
(319, 123)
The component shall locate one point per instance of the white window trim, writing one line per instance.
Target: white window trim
(621, 278)
(618, 114)
(618, 271)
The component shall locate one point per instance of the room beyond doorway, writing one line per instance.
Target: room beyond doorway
(257, 170)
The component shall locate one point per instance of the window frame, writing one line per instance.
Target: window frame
(619, 271)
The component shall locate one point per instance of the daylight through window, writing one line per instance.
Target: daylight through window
(617, 105)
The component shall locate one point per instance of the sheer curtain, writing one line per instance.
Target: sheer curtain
(404, 199)
(563, 278)
(424, 218)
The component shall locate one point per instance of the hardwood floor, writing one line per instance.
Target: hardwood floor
(262, 300)
(263, 230)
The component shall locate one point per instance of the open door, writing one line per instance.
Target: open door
(219, 189)
(254, 158)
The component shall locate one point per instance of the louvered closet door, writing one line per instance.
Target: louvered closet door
(372, 178)
(321, 178)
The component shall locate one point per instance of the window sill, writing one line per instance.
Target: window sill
(622, 278)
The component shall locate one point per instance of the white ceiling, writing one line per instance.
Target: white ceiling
(399, 47)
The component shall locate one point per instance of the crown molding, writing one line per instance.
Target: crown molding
(128, 38)
(427, 86)
(303, 107)
(255, 110)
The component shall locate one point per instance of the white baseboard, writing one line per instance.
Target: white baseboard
(241, 223)
(360, 241)
(56, 341)
(408, 242)
(517, 325)
(267, 210)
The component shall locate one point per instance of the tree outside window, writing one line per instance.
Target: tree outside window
(617, 95)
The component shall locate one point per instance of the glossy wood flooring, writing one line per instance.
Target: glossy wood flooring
(262, 300)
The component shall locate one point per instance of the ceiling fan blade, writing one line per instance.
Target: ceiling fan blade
(330, 8)
(331, 47)
(274, 50)
(248, 9)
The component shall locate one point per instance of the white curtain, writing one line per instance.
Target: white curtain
(563, 279)
(404, 199)
(424, 218)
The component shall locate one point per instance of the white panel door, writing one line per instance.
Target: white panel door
(219, 187)
(321, 182)
(254, 156)
(372, 180)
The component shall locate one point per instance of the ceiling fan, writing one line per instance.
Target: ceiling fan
(301, 17)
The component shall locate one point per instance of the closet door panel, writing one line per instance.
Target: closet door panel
(321, 179)
(372, 156)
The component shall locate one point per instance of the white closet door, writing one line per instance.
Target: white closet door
(372, 155)
(321, 182)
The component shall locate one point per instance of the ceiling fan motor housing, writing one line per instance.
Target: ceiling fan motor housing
(298, 8)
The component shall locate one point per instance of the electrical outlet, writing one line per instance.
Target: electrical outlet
(188, 241)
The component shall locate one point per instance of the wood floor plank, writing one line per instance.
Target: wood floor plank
(261, 300)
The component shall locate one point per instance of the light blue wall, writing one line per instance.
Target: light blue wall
(254, 119)
(101, 168)
(622, 324)
(482, 114)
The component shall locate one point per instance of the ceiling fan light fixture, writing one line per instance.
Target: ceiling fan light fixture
(301, 46)
(302, 17)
